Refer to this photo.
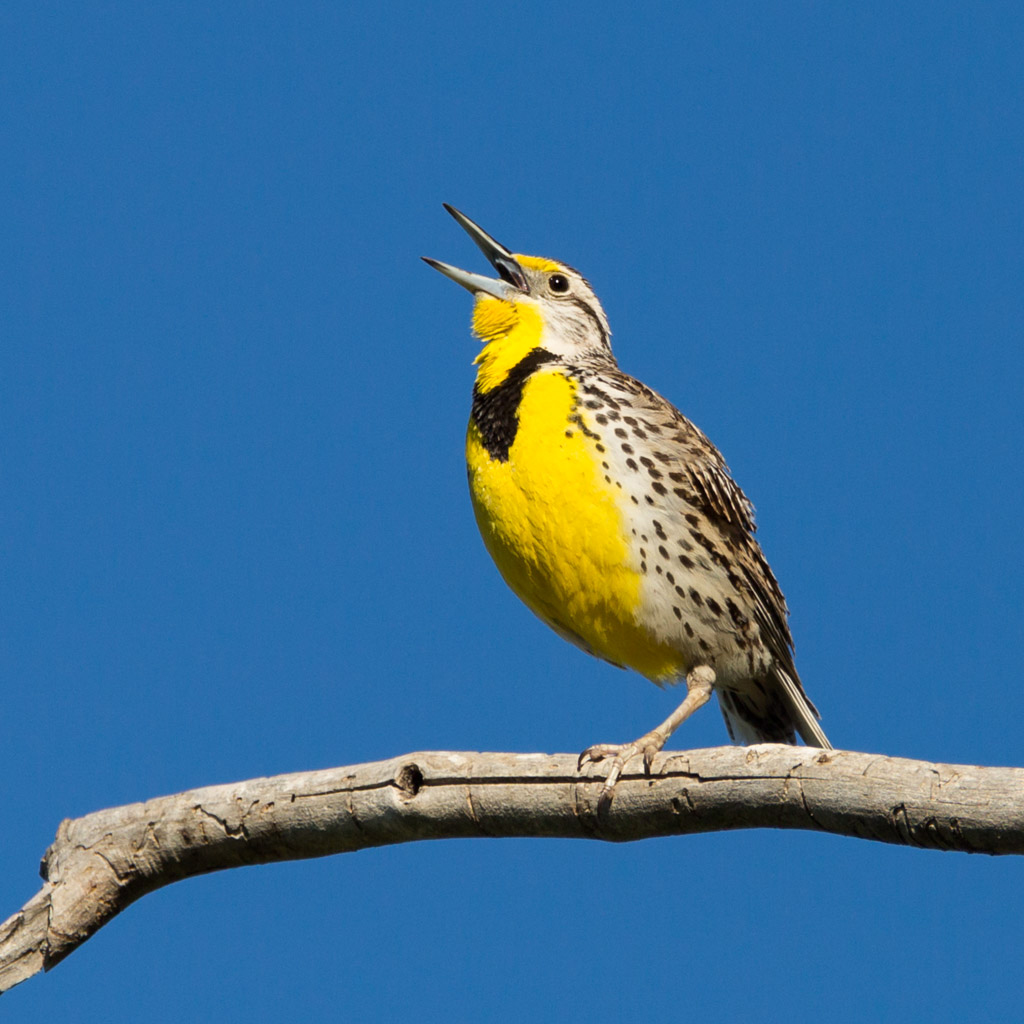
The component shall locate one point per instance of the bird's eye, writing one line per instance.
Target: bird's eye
(558, 283)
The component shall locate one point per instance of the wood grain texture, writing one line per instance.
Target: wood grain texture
(100, 863)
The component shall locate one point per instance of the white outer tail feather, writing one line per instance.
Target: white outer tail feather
(804, 717)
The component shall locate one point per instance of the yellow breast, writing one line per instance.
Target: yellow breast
(555, 530)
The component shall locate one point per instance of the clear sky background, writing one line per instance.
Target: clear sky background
(235, 529)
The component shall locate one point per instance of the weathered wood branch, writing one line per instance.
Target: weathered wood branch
(104, 861)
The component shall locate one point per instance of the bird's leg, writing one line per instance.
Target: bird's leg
(699, 683)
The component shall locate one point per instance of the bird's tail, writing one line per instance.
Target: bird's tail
(774, 714)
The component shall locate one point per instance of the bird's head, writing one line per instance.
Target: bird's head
(534, 303)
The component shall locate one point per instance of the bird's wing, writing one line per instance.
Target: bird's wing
(697, 468)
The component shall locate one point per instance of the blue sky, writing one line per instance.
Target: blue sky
(236, 535)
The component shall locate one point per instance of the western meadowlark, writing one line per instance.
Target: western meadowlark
(613, 517)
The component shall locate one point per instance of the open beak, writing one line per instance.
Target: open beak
(510, 279)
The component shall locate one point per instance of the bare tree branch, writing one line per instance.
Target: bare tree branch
(100, 863)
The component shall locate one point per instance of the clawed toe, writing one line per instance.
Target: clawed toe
(621, 754)
(599, 751)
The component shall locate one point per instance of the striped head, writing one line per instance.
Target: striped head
(534, 304)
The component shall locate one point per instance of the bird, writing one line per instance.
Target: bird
(613, 517)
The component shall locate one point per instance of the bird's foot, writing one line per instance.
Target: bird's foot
(621, 754)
